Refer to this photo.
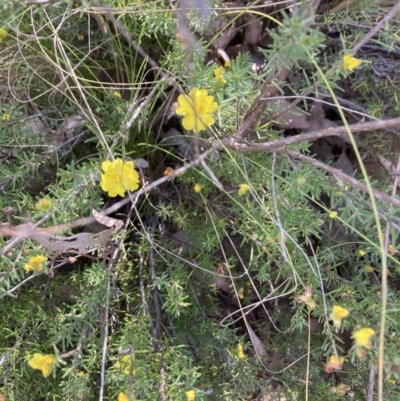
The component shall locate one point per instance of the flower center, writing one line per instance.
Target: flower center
(117, 178)
(197, 109)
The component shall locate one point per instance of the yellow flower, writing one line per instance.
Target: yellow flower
(45, 363)
(391, 251)
(43, 204)
(337, 315)
(307, 298)
(197, 188)
(3, 34)
(332, 215)
(5, 116)
(334, 363)
(240, 352)
(219, 75)
(122, 397)
(336, 360)
(196, 109)
(117, 94)
(243, 189)
(169, 171)
(118, 177)
(340, 390)
(350, 63)
(125, 364)
(191, 395)
(361, 252)
(363, 337)
(35, 263)
(368, 268)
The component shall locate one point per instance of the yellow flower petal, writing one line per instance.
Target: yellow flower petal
(337, 315)
(36, 263)
(191, 395)
(5, 116)
(124, 364)
(36, 361)
(334, 363)
(117, 94)
(243, 189)
(219, 75)
(196, 109)
(122, 397)
(48, 366)
(197, 188)
(45, 363)
(43, 204)
(336, 360)
(240, 352)
(332, 215)
(118, 177)
(350, 63)
(307, 298)
(363, 336)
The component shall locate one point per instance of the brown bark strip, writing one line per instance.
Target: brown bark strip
(239, 146)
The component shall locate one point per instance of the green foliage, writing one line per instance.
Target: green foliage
(200, 267)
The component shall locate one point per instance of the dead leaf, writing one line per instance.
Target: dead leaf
(182, 243)
(318, 122)
(344, 164)
(80, 243)
(226, 26)
(141, 163)
(223, 284)
(67, 128)
(258, 345)
(289, 117)
(253, 29)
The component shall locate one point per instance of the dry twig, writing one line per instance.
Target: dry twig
(377, 27)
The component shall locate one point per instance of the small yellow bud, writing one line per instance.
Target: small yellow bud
(368, 268)
(301, 181)
(43, 204)
(332, 215)
(197, 188)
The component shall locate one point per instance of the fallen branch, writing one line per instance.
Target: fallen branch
(240, 146)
